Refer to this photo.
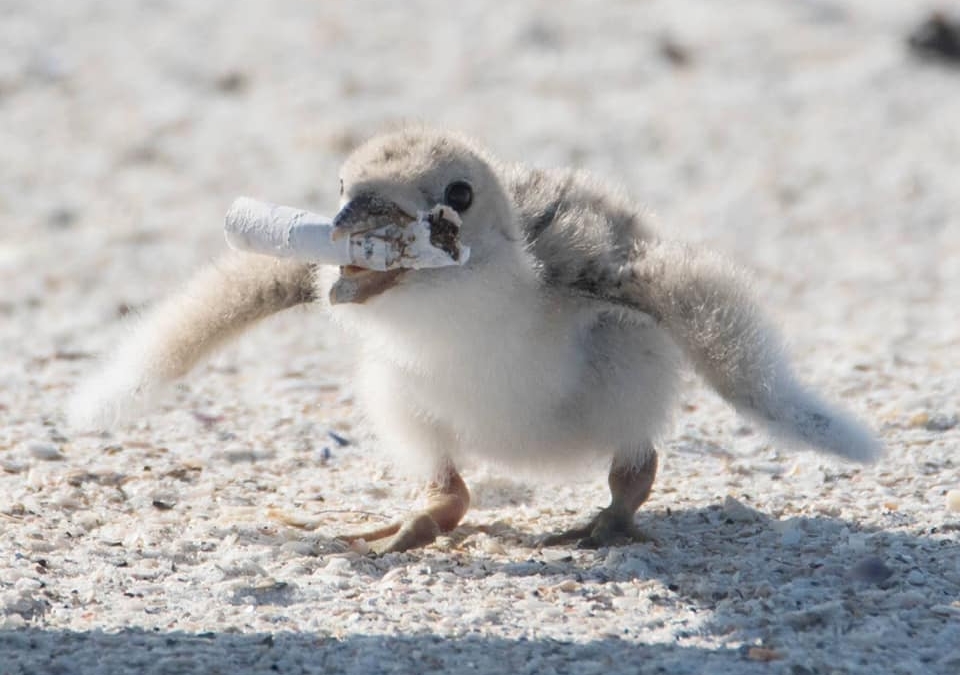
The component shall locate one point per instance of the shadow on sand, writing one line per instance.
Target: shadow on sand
(814, 600)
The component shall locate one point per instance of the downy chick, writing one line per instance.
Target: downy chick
(561, 338)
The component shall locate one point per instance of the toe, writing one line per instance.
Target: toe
(609, 528)
(565, 537)
(418, 531)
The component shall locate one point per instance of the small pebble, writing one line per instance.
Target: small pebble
(916, 578)
(299, 547)
(674, 52)
(164, 504)
(857, 542)
(493, 547)
(911, 599)
(942, 422)
(66, 500)
(872, 570)
(763, 654)
(13, 621)
(792, 536)
(395, 574)
(8, 466)
(953, 500)
(567, 586)
(240, 455)
(635, 567)
(561, 555)
(232, 82)
(45, 451)
(818, 615)
(360, 546)
(445, 543)
(61, 218)
(737, 511)
(937, 37)
(338, 565)
(26, 584)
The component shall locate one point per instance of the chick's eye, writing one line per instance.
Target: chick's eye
(341, 187)
(458, 196)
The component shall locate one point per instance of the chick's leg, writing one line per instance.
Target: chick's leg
(447, 501)
(630, 481)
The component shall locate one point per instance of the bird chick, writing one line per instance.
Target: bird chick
(561, 338)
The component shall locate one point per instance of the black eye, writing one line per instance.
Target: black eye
(341, 187)
(458, 196)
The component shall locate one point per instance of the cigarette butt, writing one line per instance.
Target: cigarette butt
(284, 232)
(431, 240)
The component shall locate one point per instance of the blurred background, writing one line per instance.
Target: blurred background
(802, 137)
(807, 139)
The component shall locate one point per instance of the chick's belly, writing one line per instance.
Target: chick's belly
(611, 392)
(492, 409)
(513, 421)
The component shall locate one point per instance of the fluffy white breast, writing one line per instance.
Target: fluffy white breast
(488, 362)
(489, 355)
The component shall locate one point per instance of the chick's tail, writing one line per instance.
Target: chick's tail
(214, 306)
(706, 305)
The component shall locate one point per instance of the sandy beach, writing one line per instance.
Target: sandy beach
(801, 138)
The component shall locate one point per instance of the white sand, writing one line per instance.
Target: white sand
(801, 139)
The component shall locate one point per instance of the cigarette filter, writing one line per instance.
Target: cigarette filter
(431, 240)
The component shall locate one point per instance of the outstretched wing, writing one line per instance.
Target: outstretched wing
(595, 244)
(212, 307)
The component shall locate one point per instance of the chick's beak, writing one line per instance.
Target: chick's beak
(367, 211)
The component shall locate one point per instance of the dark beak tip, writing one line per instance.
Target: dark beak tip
(344, 216)
(367, 208)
